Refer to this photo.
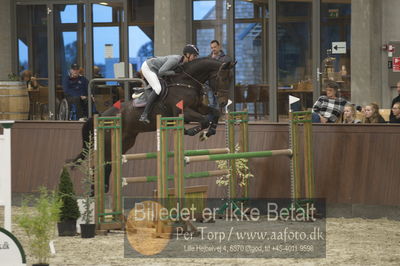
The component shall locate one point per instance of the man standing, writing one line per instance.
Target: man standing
(395, 100)
(75, 90)
(218, 54)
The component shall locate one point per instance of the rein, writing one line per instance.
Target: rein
(204, 87)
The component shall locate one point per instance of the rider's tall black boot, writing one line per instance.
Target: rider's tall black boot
(150, 101)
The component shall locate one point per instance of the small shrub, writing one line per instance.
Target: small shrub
(70, 209)
(40, 225)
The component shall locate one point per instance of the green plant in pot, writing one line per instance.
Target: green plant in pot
(70, 210)
(88, 228)
(39, 224)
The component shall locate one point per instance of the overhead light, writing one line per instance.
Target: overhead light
(103, 3)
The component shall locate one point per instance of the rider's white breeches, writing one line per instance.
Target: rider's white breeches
(151, 78)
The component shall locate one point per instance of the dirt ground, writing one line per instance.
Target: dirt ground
(349, 242)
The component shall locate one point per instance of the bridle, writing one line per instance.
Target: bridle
(205, 87)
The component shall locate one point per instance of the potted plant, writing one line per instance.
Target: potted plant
(39, 225)
(88, 228)
(70, 210)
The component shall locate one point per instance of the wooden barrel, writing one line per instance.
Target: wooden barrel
(14, 100)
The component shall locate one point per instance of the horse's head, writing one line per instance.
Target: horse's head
(221, 82)
(218, 74)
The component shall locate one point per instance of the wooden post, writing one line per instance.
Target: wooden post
(179, 160)
(296, 184)
(231, 135)
(99, 171)
(308, 158)
(244, 145)
(116, 149)
(162, 186)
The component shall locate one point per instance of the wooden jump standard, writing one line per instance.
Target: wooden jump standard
(176, 124)
(114, 125)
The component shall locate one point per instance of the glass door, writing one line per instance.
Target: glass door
(68, 43)
(32, 39)
(251, 46)
(294, 54)
(335, 45)
(209, 23)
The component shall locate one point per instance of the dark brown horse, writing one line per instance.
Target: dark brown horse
(189, 86)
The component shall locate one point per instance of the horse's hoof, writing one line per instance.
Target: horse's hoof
(203, 136)
(144, 119)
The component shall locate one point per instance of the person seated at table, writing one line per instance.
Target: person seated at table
(329, 107)
(396, 113)
(31, 82)
(372, 114)
(349, 115)
(395, 100)
(75, 88)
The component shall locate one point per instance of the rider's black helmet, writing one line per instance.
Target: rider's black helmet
(191, 49)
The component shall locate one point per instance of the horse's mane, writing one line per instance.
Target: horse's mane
(201, 68)
(200, 63)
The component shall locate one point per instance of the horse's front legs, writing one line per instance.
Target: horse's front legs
(193, 116)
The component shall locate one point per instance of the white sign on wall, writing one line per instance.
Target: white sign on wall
(338, 47)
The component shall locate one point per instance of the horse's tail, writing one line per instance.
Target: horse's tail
(87, 130)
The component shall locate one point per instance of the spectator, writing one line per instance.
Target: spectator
(327, 109)
(372, 114)
(31, 82)
(396, 113)
(218, 54)
(96, 72)
(395, 100)
(75, 89)
(349, 115)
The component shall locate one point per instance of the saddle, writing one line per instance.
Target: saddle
(140, 94)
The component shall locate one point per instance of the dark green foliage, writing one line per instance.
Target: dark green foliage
(70, 209)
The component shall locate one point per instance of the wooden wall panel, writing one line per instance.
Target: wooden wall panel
(356, 164)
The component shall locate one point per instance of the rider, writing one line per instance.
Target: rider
(156, 67)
